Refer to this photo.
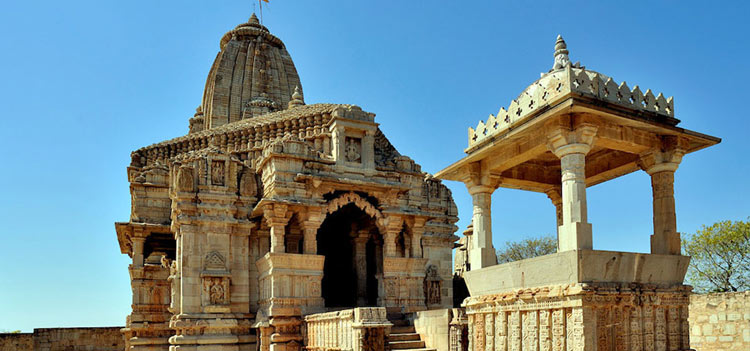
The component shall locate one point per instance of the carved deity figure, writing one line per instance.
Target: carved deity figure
(353, 152)
(216, 292)
(217, 173)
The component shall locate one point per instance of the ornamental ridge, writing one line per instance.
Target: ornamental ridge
(557, 85)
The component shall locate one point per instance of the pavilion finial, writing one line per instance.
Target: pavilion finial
(561, 53)
(253, 19)
(297, 99)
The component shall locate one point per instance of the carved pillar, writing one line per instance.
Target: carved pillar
(360, 266)
(661, 165)
(571, 146)
(310, 226)
(338, 146)
(482, 253)
(392, 230)
(138, 251)
(416, 237)
(555, 195)
(277, 216)
(368, 150)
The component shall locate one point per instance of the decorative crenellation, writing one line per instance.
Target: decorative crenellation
(560, 84)
(581, 317)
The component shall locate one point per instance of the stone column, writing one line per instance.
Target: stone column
(416, 237)
(392, 230)
(368, 150)
(138, 251)
(310, 228)
(277, 216)
(482, 252)
(360, 267)
(338, 142)
(661, 166)
(571, 146)
(555, 195)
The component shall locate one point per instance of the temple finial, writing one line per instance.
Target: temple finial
(253, 19)
(297, 99)
(561, 53)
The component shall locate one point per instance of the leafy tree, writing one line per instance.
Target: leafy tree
(527, 248)
(720, 257)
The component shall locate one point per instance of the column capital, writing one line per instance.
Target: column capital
(555, 195)
(480, 189)
(565, 141)
(276, 214)
(655, 161)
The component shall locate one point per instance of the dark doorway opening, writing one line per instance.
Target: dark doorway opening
(353, 250)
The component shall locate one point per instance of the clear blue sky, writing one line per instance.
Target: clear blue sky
(84, 83)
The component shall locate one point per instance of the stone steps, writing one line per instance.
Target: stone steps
(403, 335)
(409, 344)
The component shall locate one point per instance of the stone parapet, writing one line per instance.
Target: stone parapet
(720, 321)
(581, 317)
(358, 329)
(578, 266)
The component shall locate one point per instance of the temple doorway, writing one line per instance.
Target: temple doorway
(353, 250)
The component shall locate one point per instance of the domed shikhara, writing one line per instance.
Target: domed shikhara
(252, 75)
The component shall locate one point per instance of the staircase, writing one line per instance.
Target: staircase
(403, 335)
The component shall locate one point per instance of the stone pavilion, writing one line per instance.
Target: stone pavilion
(273, 222)
(571, 129)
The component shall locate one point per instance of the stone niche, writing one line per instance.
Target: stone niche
(215, 280)
(353, 139)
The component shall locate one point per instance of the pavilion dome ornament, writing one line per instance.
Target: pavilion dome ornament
(561, 53)
(252, 75)
(563, 81)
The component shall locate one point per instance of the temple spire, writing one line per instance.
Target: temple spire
(561, 53)
(253, 19)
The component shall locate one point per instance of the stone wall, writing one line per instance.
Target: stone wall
(65, 339)
(720, 321)
(75, 339)
(434, 327)
(16, 341)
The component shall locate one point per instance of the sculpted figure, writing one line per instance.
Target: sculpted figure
(248, 184)
(185, 179)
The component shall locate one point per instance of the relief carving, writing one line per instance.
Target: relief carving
(353, 149)
(185, 180)
(217, 173)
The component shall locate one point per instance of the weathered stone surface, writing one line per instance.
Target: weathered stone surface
(65, 339)
(720, 321)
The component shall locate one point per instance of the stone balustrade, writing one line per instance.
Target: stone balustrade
(363, 328)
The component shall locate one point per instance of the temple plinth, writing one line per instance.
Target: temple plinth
(572, 129)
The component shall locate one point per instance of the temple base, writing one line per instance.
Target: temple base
(581, 317)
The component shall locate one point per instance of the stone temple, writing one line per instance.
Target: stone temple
(270, 212)
(276, 225)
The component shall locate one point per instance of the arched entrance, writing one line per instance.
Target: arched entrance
(353, 250)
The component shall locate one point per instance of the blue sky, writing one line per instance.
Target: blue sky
(85, 83)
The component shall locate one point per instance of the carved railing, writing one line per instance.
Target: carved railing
(358, 329)
(459, 330)
(555, 86)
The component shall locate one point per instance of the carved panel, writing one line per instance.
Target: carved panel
(217, 173)
(353, 150)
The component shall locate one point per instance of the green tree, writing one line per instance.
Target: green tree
(527, 248)
(720, 257)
